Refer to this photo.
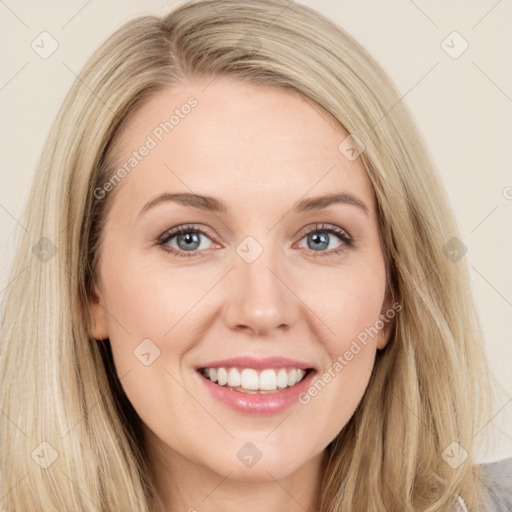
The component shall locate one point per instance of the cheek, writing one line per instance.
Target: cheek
(147, 328)
(338, 388)
(150, 303)
(357, 311)
(349, 304)
(152, 313)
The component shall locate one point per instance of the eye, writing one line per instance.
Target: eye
(319, 237)
(188, 240)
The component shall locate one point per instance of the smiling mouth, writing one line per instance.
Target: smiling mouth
(253, 381)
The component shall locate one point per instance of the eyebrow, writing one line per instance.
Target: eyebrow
(212, 204)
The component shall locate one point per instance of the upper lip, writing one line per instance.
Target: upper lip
(257, 364)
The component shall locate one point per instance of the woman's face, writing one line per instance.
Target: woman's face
(262, 270)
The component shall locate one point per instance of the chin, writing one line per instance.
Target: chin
(260, 472)
(273, 464)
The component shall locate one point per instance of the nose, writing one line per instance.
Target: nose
(260, 300)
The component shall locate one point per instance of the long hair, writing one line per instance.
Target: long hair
(70, 439)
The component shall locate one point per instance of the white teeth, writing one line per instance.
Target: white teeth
(222, 376)
(234, 379)
(249, 379)
(268, 380)
(282, 378)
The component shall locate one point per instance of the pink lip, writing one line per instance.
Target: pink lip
(257, 404)
(257, 364)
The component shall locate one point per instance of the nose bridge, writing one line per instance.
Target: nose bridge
(258, 298)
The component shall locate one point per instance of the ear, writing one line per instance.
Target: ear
(387, 316)
(98, 313)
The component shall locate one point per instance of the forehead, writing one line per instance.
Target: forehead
(241, 141)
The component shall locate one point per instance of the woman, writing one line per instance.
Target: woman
(239, 285)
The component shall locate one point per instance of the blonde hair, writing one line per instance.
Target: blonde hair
(430, 386)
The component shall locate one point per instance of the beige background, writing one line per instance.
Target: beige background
(463, 107)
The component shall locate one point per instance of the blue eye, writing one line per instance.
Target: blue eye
(188, 240)
(319, 235)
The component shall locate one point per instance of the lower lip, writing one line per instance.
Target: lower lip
(258, 404)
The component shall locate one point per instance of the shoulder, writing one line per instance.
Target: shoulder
(497, 477)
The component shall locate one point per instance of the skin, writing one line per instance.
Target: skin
(260, 150)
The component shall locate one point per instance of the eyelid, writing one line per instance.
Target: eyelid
(325, 226)
(172, 232)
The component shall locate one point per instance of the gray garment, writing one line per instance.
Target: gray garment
(498, 479)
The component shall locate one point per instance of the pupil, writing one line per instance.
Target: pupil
(190, 238)
(321, 238)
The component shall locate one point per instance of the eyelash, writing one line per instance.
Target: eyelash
(348, 241)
